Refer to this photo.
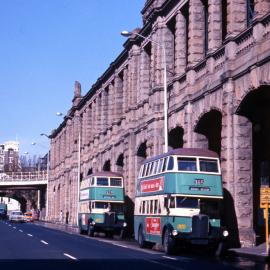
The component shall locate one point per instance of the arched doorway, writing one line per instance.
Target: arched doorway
(208, 131)
(175, 138)
(256, 108)
(107, 166)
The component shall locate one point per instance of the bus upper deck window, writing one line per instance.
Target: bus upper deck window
(102, 181)
(208, 165)
(92, 181)
(116, 182)
(170, 164)
(186, 164)
(164, 164)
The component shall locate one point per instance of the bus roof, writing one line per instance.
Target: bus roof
(106, 174)
(185, 152)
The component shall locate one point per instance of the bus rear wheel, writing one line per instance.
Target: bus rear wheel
(141, 240)
(168, 243)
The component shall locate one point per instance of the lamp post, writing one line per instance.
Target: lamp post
(78, 162)
(47, 168)
(48, 171)
(162, 46)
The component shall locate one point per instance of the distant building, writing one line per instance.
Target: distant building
(9, 156)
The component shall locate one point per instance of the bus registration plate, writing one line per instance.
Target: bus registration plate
(152, 225)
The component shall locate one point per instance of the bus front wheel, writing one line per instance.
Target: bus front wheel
(168, 242)
(141, 240)
(90, 231)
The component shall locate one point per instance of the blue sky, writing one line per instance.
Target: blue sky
(47, 45)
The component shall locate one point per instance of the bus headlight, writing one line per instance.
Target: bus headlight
(124, 224)
(174, 232)
(225, 233)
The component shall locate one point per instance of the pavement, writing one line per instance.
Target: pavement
(257, 253)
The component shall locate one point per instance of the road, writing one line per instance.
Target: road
(30, 246)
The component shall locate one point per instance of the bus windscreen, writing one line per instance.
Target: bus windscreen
(208, 165)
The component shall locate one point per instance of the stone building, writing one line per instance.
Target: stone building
(218, 60)
(9, 156)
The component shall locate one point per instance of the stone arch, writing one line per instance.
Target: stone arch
(207, 130)
(90, 171)
(253, 144)
(175, 137)
(107, 166)
(120, 163)
(141, 154)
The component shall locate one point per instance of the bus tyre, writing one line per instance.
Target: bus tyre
(141, 240)
(220, 249)
(90, 231)
(122, 234)
(168, 243)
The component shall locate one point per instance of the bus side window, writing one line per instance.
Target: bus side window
(170, 164)
(160, 165)
(143, 207)
(165, 202)
(155, 206)
(159, 207)
(151, 207)
(144, 170)
(172, 202)
(164, 164)
(92, 181)
(148, 169)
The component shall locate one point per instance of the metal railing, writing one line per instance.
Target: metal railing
(23, 176)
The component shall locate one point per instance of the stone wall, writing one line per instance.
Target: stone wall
(123, 112)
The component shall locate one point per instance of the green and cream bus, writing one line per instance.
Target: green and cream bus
(101, 206)
(178, 196)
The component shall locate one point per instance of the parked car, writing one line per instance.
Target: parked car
(16, 216)
(28, 217)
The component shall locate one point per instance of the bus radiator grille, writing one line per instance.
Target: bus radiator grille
(109, 219)
(200, 226)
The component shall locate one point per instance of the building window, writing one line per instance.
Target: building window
(10, 159)
(224, 19)
(206, 16)
(250, 12)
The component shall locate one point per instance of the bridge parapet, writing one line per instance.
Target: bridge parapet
(23, 176)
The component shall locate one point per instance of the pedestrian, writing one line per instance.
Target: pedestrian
(61, 216)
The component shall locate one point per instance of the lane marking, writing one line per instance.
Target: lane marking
(71, 257)
(165, 265)
(9, 225)
(30, 235)
(44, 242)
(171, 258)
(20, 230)
(14, 227)
(119, 245)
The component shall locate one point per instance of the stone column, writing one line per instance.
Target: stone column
(262, 7)
(236, 16)
(196, 32)
(214, 25)
(145, 62)
(125, 90)
(180, 43)
(243, 179)
(118, 96)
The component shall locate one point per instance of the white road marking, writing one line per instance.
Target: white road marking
(30, 235)
(119, 245)
(9, 225)
(20, 230)
(71, 257)
(171, 258)
(14, 227)
(165, 265)
(44, 242)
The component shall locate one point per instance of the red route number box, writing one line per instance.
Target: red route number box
(152, 185)
(152, 225)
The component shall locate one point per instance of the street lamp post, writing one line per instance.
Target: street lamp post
(79, 164)
(48, 170)
(162, 46)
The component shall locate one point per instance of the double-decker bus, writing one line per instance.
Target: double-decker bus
(101, 205)
(178, 196)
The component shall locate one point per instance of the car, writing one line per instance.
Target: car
(28, 217)
(16, 216)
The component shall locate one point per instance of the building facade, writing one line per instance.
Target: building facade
(9, 156)
(217, 56)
